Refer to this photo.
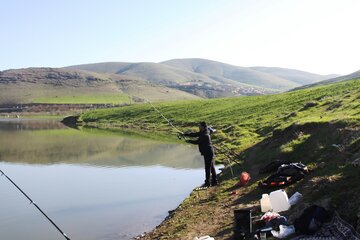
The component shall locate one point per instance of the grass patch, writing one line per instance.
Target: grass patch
(242, 121)
(317, 126)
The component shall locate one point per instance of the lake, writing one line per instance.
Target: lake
(93, 184)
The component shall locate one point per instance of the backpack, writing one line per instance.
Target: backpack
(311, 220)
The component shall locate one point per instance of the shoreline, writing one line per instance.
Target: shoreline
(210, 212)
(183, 212)
(256, 132)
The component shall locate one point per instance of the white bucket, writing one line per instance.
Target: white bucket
(279, 201)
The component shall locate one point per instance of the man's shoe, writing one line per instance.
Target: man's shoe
(214, 183)
(205, 185)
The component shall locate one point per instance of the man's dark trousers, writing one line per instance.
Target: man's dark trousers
(210, 169)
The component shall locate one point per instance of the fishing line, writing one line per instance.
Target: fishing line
(162, 115)
(32, 202)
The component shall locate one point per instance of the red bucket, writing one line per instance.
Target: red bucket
(244, 179)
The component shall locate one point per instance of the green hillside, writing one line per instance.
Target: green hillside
(258, 115)
(318, 126)
(63, 86)
(350, 76)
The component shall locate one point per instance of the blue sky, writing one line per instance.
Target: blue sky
(319, 36)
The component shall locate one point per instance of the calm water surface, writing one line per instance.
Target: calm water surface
(94, 185)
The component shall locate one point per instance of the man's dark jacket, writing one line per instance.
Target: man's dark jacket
(203, 141)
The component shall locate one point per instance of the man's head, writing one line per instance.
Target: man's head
(202, 126)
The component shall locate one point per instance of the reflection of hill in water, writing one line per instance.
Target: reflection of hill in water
(76, 147)
(29, 124)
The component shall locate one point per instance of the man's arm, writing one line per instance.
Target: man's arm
(193, 134)
(193, 141)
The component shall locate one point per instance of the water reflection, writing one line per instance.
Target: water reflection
(43, 145)
(94, 185)
(11, 124)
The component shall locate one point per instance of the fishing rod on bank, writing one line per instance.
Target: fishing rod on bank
(32, 202)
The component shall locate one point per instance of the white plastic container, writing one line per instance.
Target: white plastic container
(279, 201)
(265, 203)
(204, 238)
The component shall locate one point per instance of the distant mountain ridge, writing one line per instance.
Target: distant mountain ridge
(169, 80)
(203, 76)
(223, 72)
(294, 75)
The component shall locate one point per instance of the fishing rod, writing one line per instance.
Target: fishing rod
(180, 136)
(32, 202)
(233, 156)
(162, 115)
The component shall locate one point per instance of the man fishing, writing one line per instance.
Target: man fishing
(206, 149)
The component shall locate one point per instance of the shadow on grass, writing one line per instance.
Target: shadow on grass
(329, 145)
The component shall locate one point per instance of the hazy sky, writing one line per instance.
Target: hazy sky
(320, 36)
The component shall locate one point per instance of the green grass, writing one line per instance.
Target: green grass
(303, 125)
(85, 99)
(240, 121)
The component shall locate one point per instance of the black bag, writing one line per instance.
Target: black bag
(279, 180)
(273, 166)
(286, 175)
(311, 220)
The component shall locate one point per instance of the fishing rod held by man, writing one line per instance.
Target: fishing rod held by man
(206, 149)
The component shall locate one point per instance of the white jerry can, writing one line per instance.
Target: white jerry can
(265, 203)
(279, 201)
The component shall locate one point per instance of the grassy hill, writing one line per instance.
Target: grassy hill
(209, 78)
(152, 72)
(106, 67)
(51, 85)
(183, 79)
(294, 75)
(223, 72)
(351, 76)
(121, 82)
(318, 126)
